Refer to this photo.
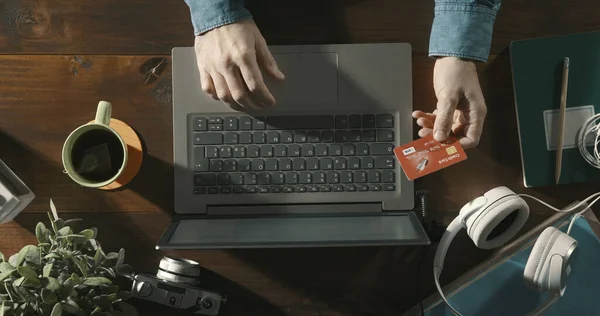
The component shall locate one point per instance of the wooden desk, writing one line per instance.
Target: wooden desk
(62, 56)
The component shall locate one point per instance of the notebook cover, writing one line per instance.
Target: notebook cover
(537, 66)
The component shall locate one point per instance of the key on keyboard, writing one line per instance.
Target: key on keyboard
(293, 154)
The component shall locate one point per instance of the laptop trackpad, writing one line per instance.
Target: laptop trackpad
(310, 78)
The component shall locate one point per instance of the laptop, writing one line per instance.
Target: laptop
(317, 169)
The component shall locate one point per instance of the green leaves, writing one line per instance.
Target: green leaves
(120, 267)
(24, 294)
(98, 257)
(108, 271)
(82, 267)
(103, 301)
(72, 307)
(52, 223)
(66, 273)
(44, 248)
(41, 232)
(97, 281)
(66, 289)
(20, 257)
(30, 253)
(53, 284)
(13, 259)
(25, 282)
(95, 244)
(65, 231)
(6, 274)
(57, 310)
(72, 220)
(48, 296)
(27, 273)
(19, 281)
(10, 291)
(53, 255)
(53, 209)
(124, 269)
(87, 233)
(5, 266)
(47, 270)
(76, 278)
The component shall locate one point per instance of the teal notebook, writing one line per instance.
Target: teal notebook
(537, 66)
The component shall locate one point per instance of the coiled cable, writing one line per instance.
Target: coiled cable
(590, 131)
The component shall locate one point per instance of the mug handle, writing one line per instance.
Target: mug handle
(103, 113)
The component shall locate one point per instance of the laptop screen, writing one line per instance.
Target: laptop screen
(296, 231)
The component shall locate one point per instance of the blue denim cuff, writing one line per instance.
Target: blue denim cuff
(210, 14)
(462, 30)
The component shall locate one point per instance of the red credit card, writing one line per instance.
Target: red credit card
(426, 155)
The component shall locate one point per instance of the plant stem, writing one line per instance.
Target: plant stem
(7, 291)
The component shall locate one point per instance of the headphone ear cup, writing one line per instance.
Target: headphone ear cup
(536, 259)
(499, 222)
(549, 263)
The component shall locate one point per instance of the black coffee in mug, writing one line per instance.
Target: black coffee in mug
(97, 155)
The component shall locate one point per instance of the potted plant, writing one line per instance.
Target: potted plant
(67, 273)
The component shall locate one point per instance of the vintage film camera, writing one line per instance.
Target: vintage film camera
(14, 194)
(176, 284)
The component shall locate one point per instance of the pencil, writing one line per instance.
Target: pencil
(561, 127)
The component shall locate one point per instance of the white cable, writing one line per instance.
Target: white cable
(595, 195)
(437, 284)
(577, 215)
(590, 127)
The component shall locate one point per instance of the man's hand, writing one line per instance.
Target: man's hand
(229, 61)
(460, 108)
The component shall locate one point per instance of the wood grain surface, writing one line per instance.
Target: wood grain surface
(60, 57)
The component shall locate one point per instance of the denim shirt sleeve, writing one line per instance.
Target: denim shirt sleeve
(210, 14)
(463, 28)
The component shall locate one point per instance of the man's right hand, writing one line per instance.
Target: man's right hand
(229, 60)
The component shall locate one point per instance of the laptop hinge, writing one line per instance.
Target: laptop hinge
(277, 209)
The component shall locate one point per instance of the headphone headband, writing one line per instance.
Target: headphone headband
(497, 216)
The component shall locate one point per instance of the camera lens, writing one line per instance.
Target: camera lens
(207, 303)
(178, 270)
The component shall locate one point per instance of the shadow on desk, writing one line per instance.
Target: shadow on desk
(285, 23)
(154, 181)
(349, 281)
(501, 120)
(137, 233)
(36, 170)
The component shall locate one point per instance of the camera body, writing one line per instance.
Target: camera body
(175, 285)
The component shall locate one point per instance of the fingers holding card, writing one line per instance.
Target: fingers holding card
(426, 155)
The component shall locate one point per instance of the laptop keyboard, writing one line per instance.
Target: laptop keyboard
(293, 154)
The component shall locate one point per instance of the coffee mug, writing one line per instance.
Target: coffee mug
(94, 155)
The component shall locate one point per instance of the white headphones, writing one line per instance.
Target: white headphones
(496, 217)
